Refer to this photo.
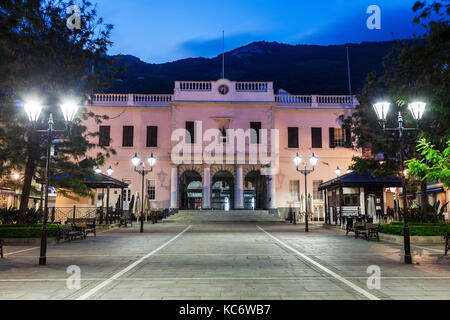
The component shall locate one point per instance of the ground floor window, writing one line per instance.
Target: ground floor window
(294, 190)
(151, 189)
(317, 195)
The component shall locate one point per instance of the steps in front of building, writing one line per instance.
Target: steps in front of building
(225, 216)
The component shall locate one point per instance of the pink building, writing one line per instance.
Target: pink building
(255, 172)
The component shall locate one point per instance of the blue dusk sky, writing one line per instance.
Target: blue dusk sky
(166, 30)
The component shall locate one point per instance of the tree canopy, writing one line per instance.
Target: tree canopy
(41, 57)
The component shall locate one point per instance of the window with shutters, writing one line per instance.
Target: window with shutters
(316, 135)
(190, 132)
(128, 133)
(152, 136)
(317, 195)
(105, 136)
(293, 137)
(151, 189)
(294, 190)
(339, 138)
(255, 132)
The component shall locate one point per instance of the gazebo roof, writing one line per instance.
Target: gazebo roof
(97, 181)
(354, 179)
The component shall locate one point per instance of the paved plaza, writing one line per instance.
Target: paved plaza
(225, 260)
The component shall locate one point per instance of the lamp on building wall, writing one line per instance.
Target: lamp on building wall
(143, 172)
(110, 171)
(98, 170)
(338, 171)
(417, 110)
(313, 161)
(33, 107)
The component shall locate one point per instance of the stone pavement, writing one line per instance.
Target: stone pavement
(223, 260)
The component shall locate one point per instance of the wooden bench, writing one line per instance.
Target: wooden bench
(125, 220)
(69, 232)
(87, 225)
(369, 230)
(1, 249)
(447, 243)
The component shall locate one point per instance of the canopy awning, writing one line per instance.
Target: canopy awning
(97, 181)
(354, 179)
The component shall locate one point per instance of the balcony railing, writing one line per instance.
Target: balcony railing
(130, 99)
(195, 86)
(287, 100)
(252, 86)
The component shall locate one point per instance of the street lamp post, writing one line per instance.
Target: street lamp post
(33, 110)
(313, 161)
(417, 110)
(143, 172)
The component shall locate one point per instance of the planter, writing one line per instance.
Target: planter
(414, 239)
(26, 241)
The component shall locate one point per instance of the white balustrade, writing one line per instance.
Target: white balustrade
(146, 98)
(315, 101)
(195, 85)
(293, 99)
(252, 86)
(108, 98)
(131, 99)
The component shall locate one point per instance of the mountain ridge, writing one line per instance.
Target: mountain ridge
(298, 69)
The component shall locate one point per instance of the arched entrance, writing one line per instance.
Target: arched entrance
(223, 191)
(255, 191)
(191, 189)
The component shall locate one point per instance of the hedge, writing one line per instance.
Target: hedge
(416, 229)
(26, 231)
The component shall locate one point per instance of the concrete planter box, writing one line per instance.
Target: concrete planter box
(26, 241)
(414, 239)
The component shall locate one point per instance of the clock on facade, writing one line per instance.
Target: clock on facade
(223, 89)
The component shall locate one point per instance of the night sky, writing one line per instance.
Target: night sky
(165, 30)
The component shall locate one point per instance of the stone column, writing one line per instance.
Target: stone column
(271, 193)
(206, 203)
(239, 189)
(174, 190)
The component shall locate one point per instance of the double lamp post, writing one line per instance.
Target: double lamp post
(33, 110)
(313, 161)
(417, 110)
(143, 172)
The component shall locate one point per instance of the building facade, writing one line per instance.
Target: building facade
(225, 145)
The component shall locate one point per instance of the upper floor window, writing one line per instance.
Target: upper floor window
(293, 137)
(152, 136)
(339, 137)
(316, 136)
(255, 132)
(128, 135)
(105, 136)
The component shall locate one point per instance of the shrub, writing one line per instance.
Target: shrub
(26, 231)
(10, 216)
(417, 229)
